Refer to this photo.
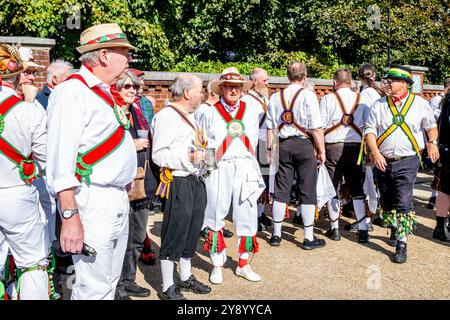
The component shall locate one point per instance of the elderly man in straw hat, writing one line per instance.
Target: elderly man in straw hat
(232, 129)
(22, 148)
(91, 160)
(394, 136)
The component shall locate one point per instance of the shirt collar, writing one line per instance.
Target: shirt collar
(228, 107)
(8, 90)
(92, 80)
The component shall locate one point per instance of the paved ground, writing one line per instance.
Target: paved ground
(341, 270)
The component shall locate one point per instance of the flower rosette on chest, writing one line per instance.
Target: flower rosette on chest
(235, 128)
(347, 119)
(121, 117)
(398, 119)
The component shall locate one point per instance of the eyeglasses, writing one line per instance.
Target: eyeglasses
(128, 86)
(230, 88)
(30, 72)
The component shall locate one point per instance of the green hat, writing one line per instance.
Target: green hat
(399, 72)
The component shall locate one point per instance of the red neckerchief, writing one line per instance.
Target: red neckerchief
(396, 100)
(230, 108)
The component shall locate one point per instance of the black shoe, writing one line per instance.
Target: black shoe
(363, 236)
(378, 221)
(193, 285)
(334, 234)
(172, 293)
(393, 237)
(265, 220)
(297, 220)
(431, 203)
(348, 210)
(400, 252)
(275, 241)
(316, 243)
(352, 227)
(439, 234)
(121, 294)
(134, 290)
(227, 233)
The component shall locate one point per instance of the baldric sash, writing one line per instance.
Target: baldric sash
(287, 116)
(27, 168)
(165, 176)
(264, 106)
(235, 129)
(86, 160)
(347, 119)
(398, 121)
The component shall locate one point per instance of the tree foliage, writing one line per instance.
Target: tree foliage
(208, 35)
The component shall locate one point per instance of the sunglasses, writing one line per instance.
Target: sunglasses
(29, 72)
(128, 86)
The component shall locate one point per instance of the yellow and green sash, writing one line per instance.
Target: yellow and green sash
(398, 121)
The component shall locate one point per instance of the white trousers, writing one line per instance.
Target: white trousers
(104, 215)
(23, 233)
(48, 204)
(226, 186)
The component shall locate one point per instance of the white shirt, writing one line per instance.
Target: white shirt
(257, 105)
(397, 144)
(306, 111)
(370, 95)
(173, 139)
(215, 129)
(25, 129)
(78, 120)
(435, 104)
(332, 114)
(200, 112)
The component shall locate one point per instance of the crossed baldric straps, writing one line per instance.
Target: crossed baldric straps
(27, 167)
(347, 119)
(398, 121)
(264, 106)
(235, 129)
(287, 116)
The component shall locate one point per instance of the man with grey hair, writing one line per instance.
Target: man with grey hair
(258, 99)
(180, 153)
(91, 161)
(294, 113)
(57, 72)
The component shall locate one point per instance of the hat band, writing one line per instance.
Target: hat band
(398, 73)
(232, 76)
(105, 38)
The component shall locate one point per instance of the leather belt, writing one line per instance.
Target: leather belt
(397, 158)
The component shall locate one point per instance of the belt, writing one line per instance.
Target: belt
(397, 158)
(192, 177)
(303, 137)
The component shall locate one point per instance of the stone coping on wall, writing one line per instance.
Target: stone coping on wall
(30, 41)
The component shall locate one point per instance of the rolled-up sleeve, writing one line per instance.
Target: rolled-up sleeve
(39, 138)
(371, 121)
(270, 121)
(312, 111)
(66, 122)
(428, 120)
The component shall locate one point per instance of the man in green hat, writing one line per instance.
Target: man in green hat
(394, 136)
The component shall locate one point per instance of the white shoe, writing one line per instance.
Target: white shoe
(248, 273)
(216, 276)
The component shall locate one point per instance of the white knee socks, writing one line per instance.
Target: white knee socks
(334, 207)
(278, 212)
(167, 273)
(308, 213)
(185, 268)
(360, 211)
(218, 259)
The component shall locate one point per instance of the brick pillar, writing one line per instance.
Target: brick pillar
(418, 75)
(41, 52)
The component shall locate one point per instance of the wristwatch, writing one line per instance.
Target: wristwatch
(433, 142)
(69, 213)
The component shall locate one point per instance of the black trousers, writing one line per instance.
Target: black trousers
(341, 162)
(184, 213)
(396, 184)
(296, 154)
(137, 232)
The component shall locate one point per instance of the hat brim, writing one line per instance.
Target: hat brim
(410, 81)
(31, 65)
(215, 86)
(109, 44)
(12, 74)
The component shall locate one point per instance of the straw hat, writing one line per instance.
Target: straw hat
(107, 35)
(399, 72)
(232, 76)
(10, 61)
(26, 54)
